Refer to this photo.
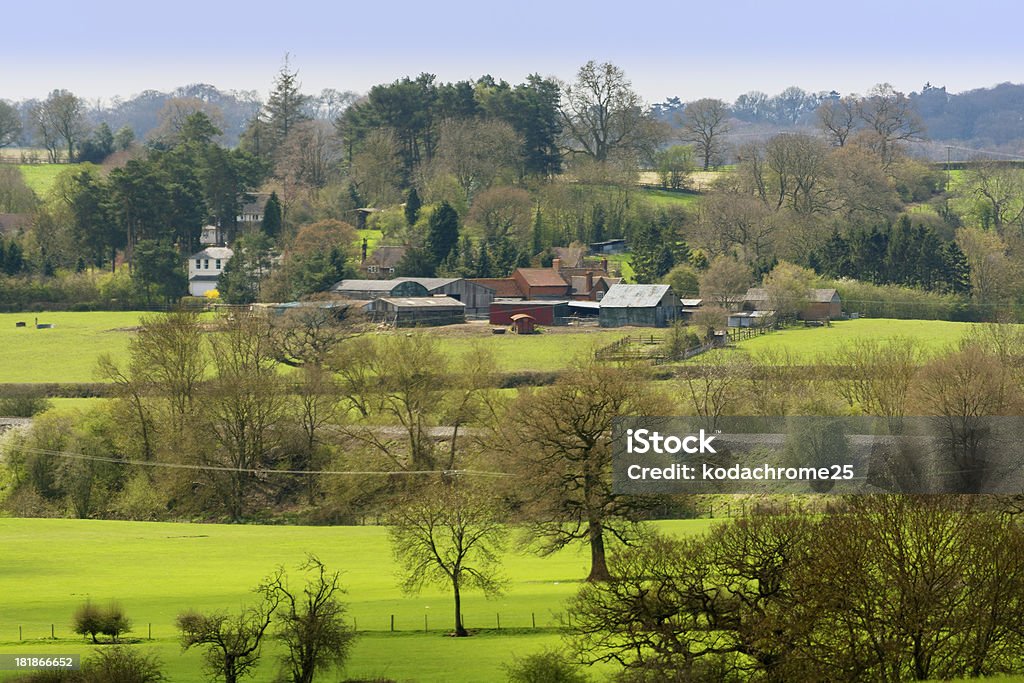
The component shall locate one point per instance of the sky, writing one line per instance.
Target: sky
(101, 49)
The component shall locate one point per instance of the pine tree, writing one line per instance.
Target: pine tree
(412, 207)
(538, 232)
(957, 271)
(286, 104)
(442, 233)
(483, 264)
(272, 216)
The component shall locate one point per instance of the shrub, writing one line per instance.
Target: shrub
(545, 667)
(90, 620)
(114, 622)
(122, 665)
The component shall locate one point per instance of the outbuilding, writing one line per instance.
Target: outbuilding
(543, 312)
(523, 323)
(375, 289)
(426, 311)
(476, 296)
(640, 305)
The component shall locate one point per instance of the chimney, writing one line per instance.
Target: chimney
(590, 282)
(364, 251)
(604, 265)
(556, 265)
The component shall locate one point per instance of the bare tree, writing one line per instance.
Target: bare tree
(725, 281)
(602, 115)
(999, 191)
(838, 118)
(60, 118)
(890, 119)
(10, 124)
(477, 153)
(311, 624)
(704, 123)
(448, 534)
(875, 375)
(309, 155)
(233, 643)
(561, 438)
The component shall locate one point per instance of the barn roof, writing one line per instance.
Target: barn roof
(822, 296)
(365, 286)
(634, 296)
(423, 302)
(431, 283)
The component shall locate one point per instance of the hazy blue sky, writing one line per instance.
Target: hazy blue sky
(720, 49)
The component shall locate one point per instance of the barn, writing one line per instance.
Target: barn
(823, 304)
(543, 312)
(476, 296)
(640, 305)
(375, 289)
(426, 311)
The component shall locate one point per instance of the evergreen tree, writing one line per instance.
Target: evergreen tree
(442, 233)
(900, 259)
(538, 232)
(158, 271)
(412, 207)
(14, 260)
(483, 263)
(272, 217)
(286, 106)
(417, 262)
(957, 272)
(930, 267)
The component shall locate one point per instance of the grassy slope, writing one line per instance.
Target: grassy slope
(66, 353)
(40, 177)
(158, 569)
(809, 342)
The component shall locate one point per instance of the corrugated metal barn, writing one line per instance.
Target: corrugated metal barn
(375, 289)
(476, 296)
(429, 311)
(543, 312)
(640, 305)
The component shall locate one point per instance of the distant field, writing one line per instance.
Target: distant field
(810, 342)
(158, 569)
(372, 238)
(41, 177)
(667, 198)
(66, 353)
(548, 351)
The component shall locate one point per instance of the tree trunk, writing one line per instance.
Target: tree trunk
(460, 630)
(598, 562)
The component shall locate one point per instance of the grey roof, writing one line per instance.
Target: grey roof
(635, 296)
(756, 294)
(595, 305)
(213, 252)
(822, 296)
(692, 303)
(364, 286)
(423, 302)
(431, 283)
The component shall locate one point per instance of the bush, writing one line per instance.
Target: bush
(122, 665)
(545, 667)
(23, 406)
(115, 622)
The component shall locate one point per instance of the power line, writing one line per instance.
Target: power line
(248, 470)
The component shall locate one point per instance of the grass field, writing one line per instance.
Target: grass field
(807, 343)
(40, 177)
(157, 569)
(667, 198)
(553, 350)
(66, 353)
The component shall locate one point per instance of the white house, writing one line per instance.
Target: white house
(205, 267)
(209, 236)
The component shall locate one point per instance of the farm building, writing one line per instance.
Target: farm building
(205, 267)
(476, 296)
(375, 289)
(617, 246)
(824, 304)
(641, 305)
(425, 311)
(543, 312)
(541, 283)
(690, 306)
(591, 286)
(750, 318)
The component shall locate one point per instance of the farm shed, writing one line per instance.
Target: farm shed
(824, 304)
(543, 312)
(476, 296)
(426, 311)
(375, 289)
(523, 323)
(750, 318)
(640, 305)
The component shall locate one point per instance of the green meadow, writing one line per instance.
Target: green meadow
(807, 343)
(41, 177)
(155, 570)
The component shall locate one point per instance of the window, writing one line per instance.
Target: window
(216, 264)
(197, 264)
(206, 264)
(371, 269)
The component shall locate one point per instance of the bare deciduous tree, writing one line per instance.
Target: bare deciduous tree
(705, 122)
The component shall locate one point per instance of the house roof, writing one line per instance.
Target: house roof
(571, 257)
(692, 303)
(386, 256)
(541, 277)
(254, 202)
(634, 296)
(213, 252)
(756, 294)
(579, 282)
(203, 278)
(504, 287)
(423, 302)
(822, 296)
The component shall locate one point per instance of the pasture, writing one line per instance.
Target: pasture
(156, 570)
(41, 177)
(808, 343)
